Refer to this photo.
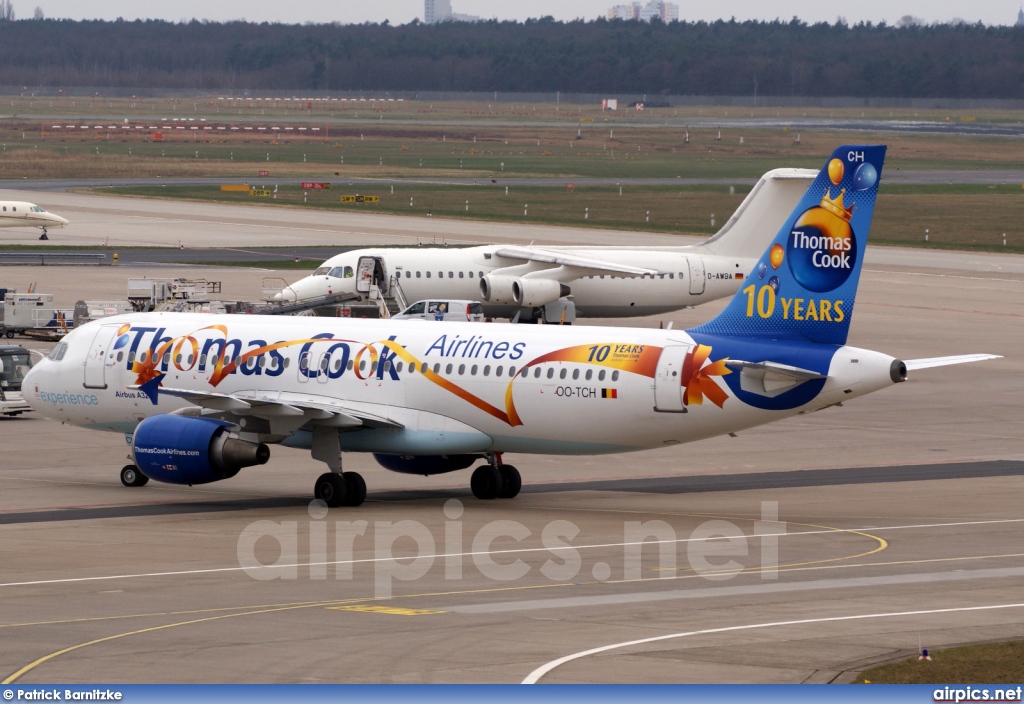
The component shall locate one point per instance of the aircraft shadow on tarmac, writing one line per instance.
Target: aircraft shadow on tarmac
(659, 485)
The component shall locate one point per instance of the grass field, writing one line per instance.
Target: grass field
(474, 149)
(485, 143)
(994, 663)
(223, 107)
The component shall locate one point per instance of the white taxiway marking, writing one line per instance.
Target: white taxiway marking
(943, 276)
(535, 676)
(553, 549)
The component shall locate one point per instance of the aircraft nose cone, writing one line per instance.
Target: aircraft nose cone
(28, 387)
(286, 294)
(309, 287)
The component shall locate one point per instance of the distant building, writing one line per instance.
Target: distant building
(1020, 17)
(435, 11)
(664, 11)
(624, 12)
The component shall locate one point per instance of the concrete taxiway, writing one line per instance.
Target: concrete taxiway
(797, 552)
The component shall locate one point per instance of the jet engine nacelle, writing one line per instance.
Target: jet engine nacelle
(497, 289)
(189, 450)
(531, 293)
(425, 464)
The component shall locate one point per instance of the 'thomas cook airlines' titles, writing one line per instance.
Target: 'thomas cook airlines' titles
(189, 352)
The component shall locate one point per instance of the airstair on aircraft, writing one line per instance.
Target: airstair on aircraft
(390, 301)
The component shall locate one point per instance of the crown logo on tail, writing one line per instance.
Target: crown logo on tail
(835, 205)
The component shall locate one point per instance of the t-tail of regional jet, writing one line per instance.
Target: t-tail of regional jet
(200, 397)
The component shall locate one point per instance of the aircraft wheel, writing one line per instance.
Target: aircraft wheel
(331, 489)
(131, 476)
(511, 482)
(355, 489)
(486, 482)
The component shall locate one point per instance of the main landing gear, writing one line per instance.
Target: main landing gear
(340, 489)
(495, 480)
(131, 476)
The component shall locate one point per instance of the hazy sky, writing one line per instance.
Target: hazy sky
(403, 11)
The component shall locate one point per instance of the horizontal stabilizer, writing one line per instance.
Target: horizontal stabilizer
(769, 378)
(913, 364)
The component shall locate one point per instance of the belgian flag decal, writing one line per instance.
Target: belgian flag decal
(609, 393)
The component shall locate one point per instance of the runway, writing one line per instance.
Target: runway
(803, 551)
(627, 121)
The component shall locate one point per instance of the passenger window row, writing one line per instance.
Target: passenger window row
(440, 274)
(325, 364)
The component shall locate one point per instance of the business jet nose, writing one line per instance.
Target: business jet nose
(59, 220)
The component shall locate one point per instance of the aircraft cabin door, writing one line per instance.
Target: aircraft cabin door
(364, 273)
(101, 355)
(380, 273)
(668, 379)
(697, 276)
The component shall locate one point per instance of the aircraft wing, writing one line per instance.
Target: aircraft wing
(585, 264)
(929, 362)
(323, 411)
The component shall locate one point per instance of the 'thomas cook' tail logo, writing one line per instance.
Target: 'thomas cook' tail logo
(822, 247)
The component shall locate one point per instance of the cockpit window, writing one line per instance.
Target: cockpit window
(57, 353)
(13, 368)
(342, 272)
(322, 271)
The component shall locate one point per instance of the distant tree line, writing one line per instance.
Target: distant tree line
(681, 58)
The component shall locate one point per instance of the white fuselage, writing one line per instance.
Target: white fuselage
(687, 276)
(21, 214)
(541, 281)
(485, 388)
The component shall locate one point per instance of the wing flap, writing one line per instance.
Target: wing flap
(327, 412)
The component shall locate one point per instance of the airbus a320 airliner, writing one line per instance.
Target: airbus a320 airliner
(200, 397)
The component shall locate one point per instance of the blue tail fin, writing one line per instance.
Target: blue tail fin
(804, 285)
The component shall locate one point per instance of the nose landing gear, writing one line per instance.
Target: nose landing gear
(131, 476)
(44, 236)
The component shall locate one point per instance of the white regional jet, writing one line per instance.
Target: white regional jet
(543, 282)
(199, 397)
(14, 213)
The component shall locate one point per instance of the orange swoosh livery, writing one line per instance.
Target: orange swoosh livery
(635, 359)
(697, 378)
